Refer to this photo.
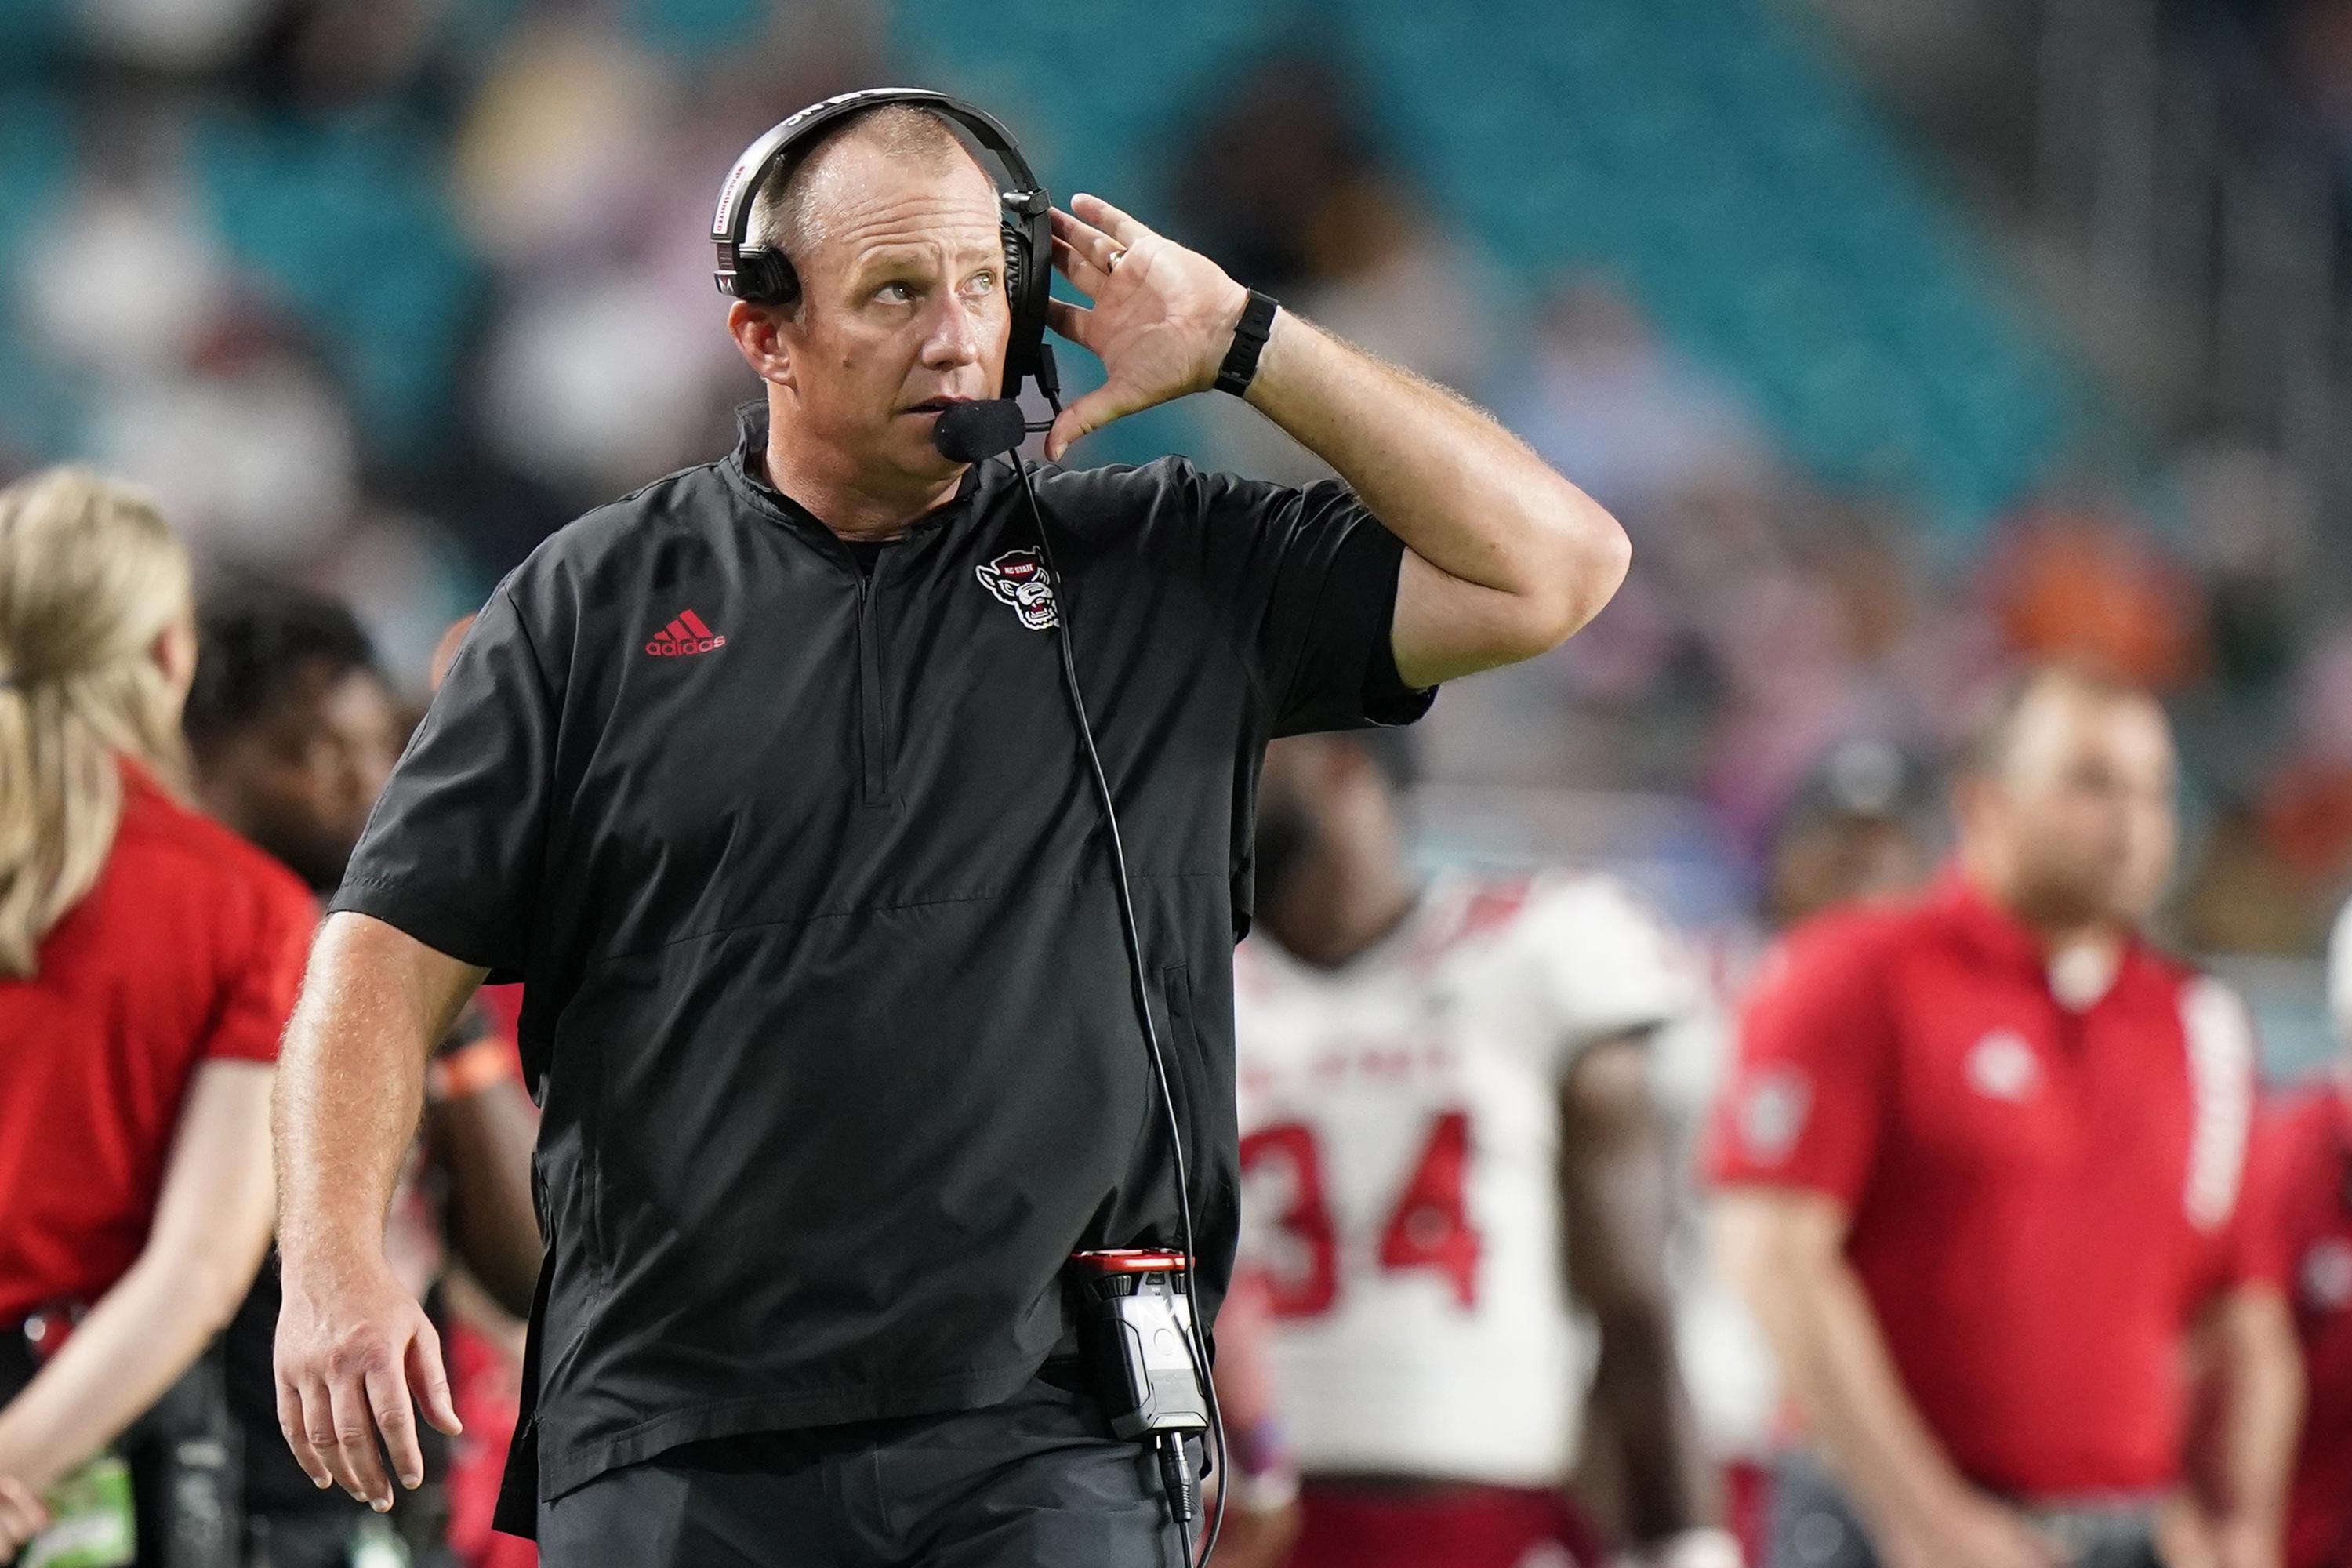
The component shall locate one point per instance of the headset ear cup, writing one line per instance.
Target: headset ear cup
(1016, 269)
(1025, 291)
(765, 276)
(1016, 284)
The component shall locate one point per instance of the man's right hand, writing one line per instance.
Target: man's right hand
(354, 1345)
(1969, 1531)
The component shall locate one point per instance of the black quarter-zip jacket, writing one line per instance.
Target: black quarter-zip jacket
(826, 1003)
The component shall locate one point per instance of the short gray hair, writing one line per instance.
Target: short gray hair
(783, 218)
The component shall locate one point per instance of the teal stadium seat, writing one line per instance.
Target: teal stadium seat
(346, 217)
(40, 417)
(1703, 151)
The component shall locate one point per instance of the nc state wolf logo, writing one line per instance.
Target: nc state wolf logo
(1019, 579)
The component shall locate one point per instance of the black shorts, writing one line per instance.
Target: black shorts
(1036, 1482)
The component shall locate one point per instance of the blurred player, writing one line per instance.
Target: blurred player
(1262, 1518)
(1853, 832)
(2305, 1194)
(1455, 1191)
(1983, 1152)
(294, 728)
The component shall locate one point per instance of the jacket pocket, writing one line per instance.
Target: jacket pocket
(1180, 1049)
(1204, 1108)
(567, 1167)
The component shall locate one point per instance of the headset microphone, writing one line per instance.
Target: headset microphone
(972, 432)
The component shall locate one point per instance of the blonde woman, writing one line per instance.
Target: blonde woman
(148, 960)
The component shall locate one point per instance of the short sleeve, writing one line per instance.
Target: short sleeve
(2258, 1246)
(1604, 963)
(1807, 1096)
(1314, 575)
(263, 974)
(452, 852)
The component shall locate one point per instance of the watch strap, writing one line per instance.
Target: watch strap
(1249, 339)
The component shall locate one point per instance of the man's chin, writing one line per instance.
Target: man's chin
(2125, 909)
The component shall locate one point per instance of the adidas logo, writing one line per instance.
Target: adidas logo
(684, 635)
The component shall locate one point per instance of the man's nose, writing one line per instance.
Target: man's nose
(954, 337)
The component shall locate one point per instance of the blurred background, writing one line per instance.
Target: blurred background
(1907, 337)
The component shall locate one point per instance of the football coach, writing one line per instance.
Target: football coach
(764, 781)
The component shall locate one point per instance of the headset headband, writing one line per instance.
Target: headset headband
(1024, 209)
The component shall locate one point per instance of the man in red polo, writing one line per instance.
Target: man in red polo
(2303, 1197)
(1982, 1153)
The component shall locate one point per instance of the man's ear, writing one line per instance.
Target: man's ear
(757, 331)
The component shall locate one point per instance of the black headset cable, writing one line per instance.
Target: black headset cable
(1138, 975)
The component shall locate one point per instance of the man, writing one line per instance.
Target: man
(293, 728)
(2305, 1235)
(1438, 1085)
(1855, 831)
(1982, 1155)
(827, 995)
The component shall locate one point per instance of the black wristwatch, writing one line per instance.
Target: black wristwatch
(1241, 360)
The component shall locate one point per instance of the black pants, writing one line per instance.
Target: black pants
(1815, 1526)
(1035, 1482)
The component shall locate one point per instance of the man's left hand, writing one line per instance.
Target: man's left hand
(1163, 320)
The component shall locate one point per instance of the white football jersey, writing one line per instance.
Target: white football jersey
(1400, 1122)
(1727, 1368)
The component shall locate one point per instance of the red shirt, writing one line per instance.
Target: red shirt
(189, 948)
(2040, 1194)
(2302, 1196)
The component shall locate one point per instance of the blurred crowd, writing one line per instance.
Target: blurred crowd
(378, 297)
(374, 298)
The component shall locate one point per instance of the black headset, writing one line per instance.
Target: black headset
(765, 276)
